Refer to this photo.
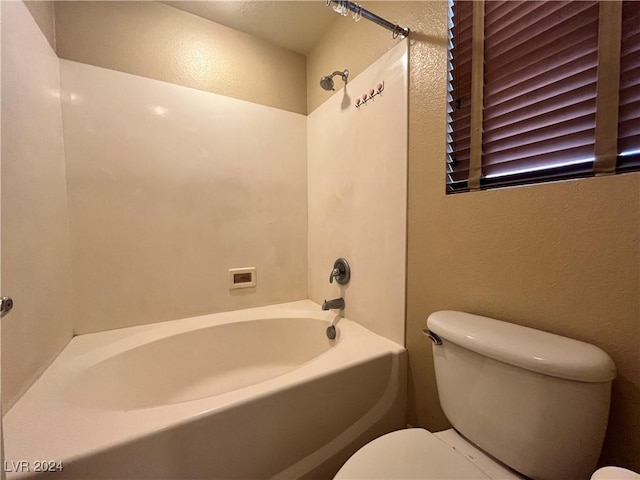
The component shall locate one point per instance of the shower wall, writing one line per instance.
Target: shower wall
(357, 194)
(35, 243)
(170, 187)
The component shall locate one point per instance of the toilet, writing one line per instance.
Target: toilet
(523, 404)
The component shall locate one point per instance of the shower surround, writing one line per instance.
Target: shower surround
(170, 187)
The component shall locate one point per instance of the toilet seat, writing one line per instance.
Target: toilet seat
(414, 453)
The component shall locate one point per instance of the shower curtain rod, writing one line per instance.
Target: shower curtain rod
(359, 11)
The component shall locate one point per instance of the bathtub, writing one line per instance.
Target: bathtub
(256, 393)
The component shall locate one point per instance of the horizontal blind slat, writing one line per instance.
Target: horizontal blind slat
(538, 32)
(551, 89)
(498, 11)
(556, 173)
(549, 145)
(629, 108)
(503, 116)
(536, 63)
(561, 122)
(549, 159)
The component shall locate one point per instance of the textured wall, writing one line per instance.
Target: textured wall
(169, 187)
(358, 195)
(35, 243)
(562, 257)
(157, 41)
(44, 15)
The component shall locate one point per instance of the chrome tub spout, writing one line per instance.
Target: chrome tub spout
(336, 303)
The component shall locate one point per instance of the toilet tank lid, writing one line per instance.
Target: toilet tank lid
(524, 347)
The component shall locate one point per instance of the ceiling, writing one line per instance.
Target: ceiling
(295, 25)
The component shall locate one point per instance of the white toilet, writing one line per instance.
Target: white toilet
(523, 403)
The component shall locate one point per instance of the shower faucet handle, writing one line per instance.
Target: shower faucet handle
(341, 272)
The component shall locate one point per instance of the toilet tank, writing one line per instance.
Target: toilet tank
(536, 401)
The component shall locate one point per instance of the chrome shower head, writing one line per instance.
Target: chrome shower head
(326, 82)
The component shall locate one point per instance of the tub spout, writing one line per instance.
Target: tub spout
(336, 303)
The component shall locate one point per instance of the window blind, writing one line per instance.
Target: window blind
(459, 107)
(540, 73)
(629, 110)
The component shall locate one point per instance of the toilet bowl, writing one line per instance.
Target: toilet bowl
(615, 473)
(523, 404)
(416, 453)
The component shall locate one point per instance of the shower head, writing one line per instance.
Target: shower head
(326, 82)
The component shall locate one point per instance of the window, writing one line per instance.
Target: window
(542, 91)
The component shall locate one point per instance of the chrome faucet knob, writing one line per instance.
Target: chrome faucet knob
(334, 273)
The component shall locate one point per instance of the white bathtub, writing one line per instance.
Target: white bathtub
(256, 393)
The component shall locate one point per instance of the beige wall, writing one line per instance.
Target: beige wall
(157, 41)
(44, 15)
(35, 244)
(562, 257)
